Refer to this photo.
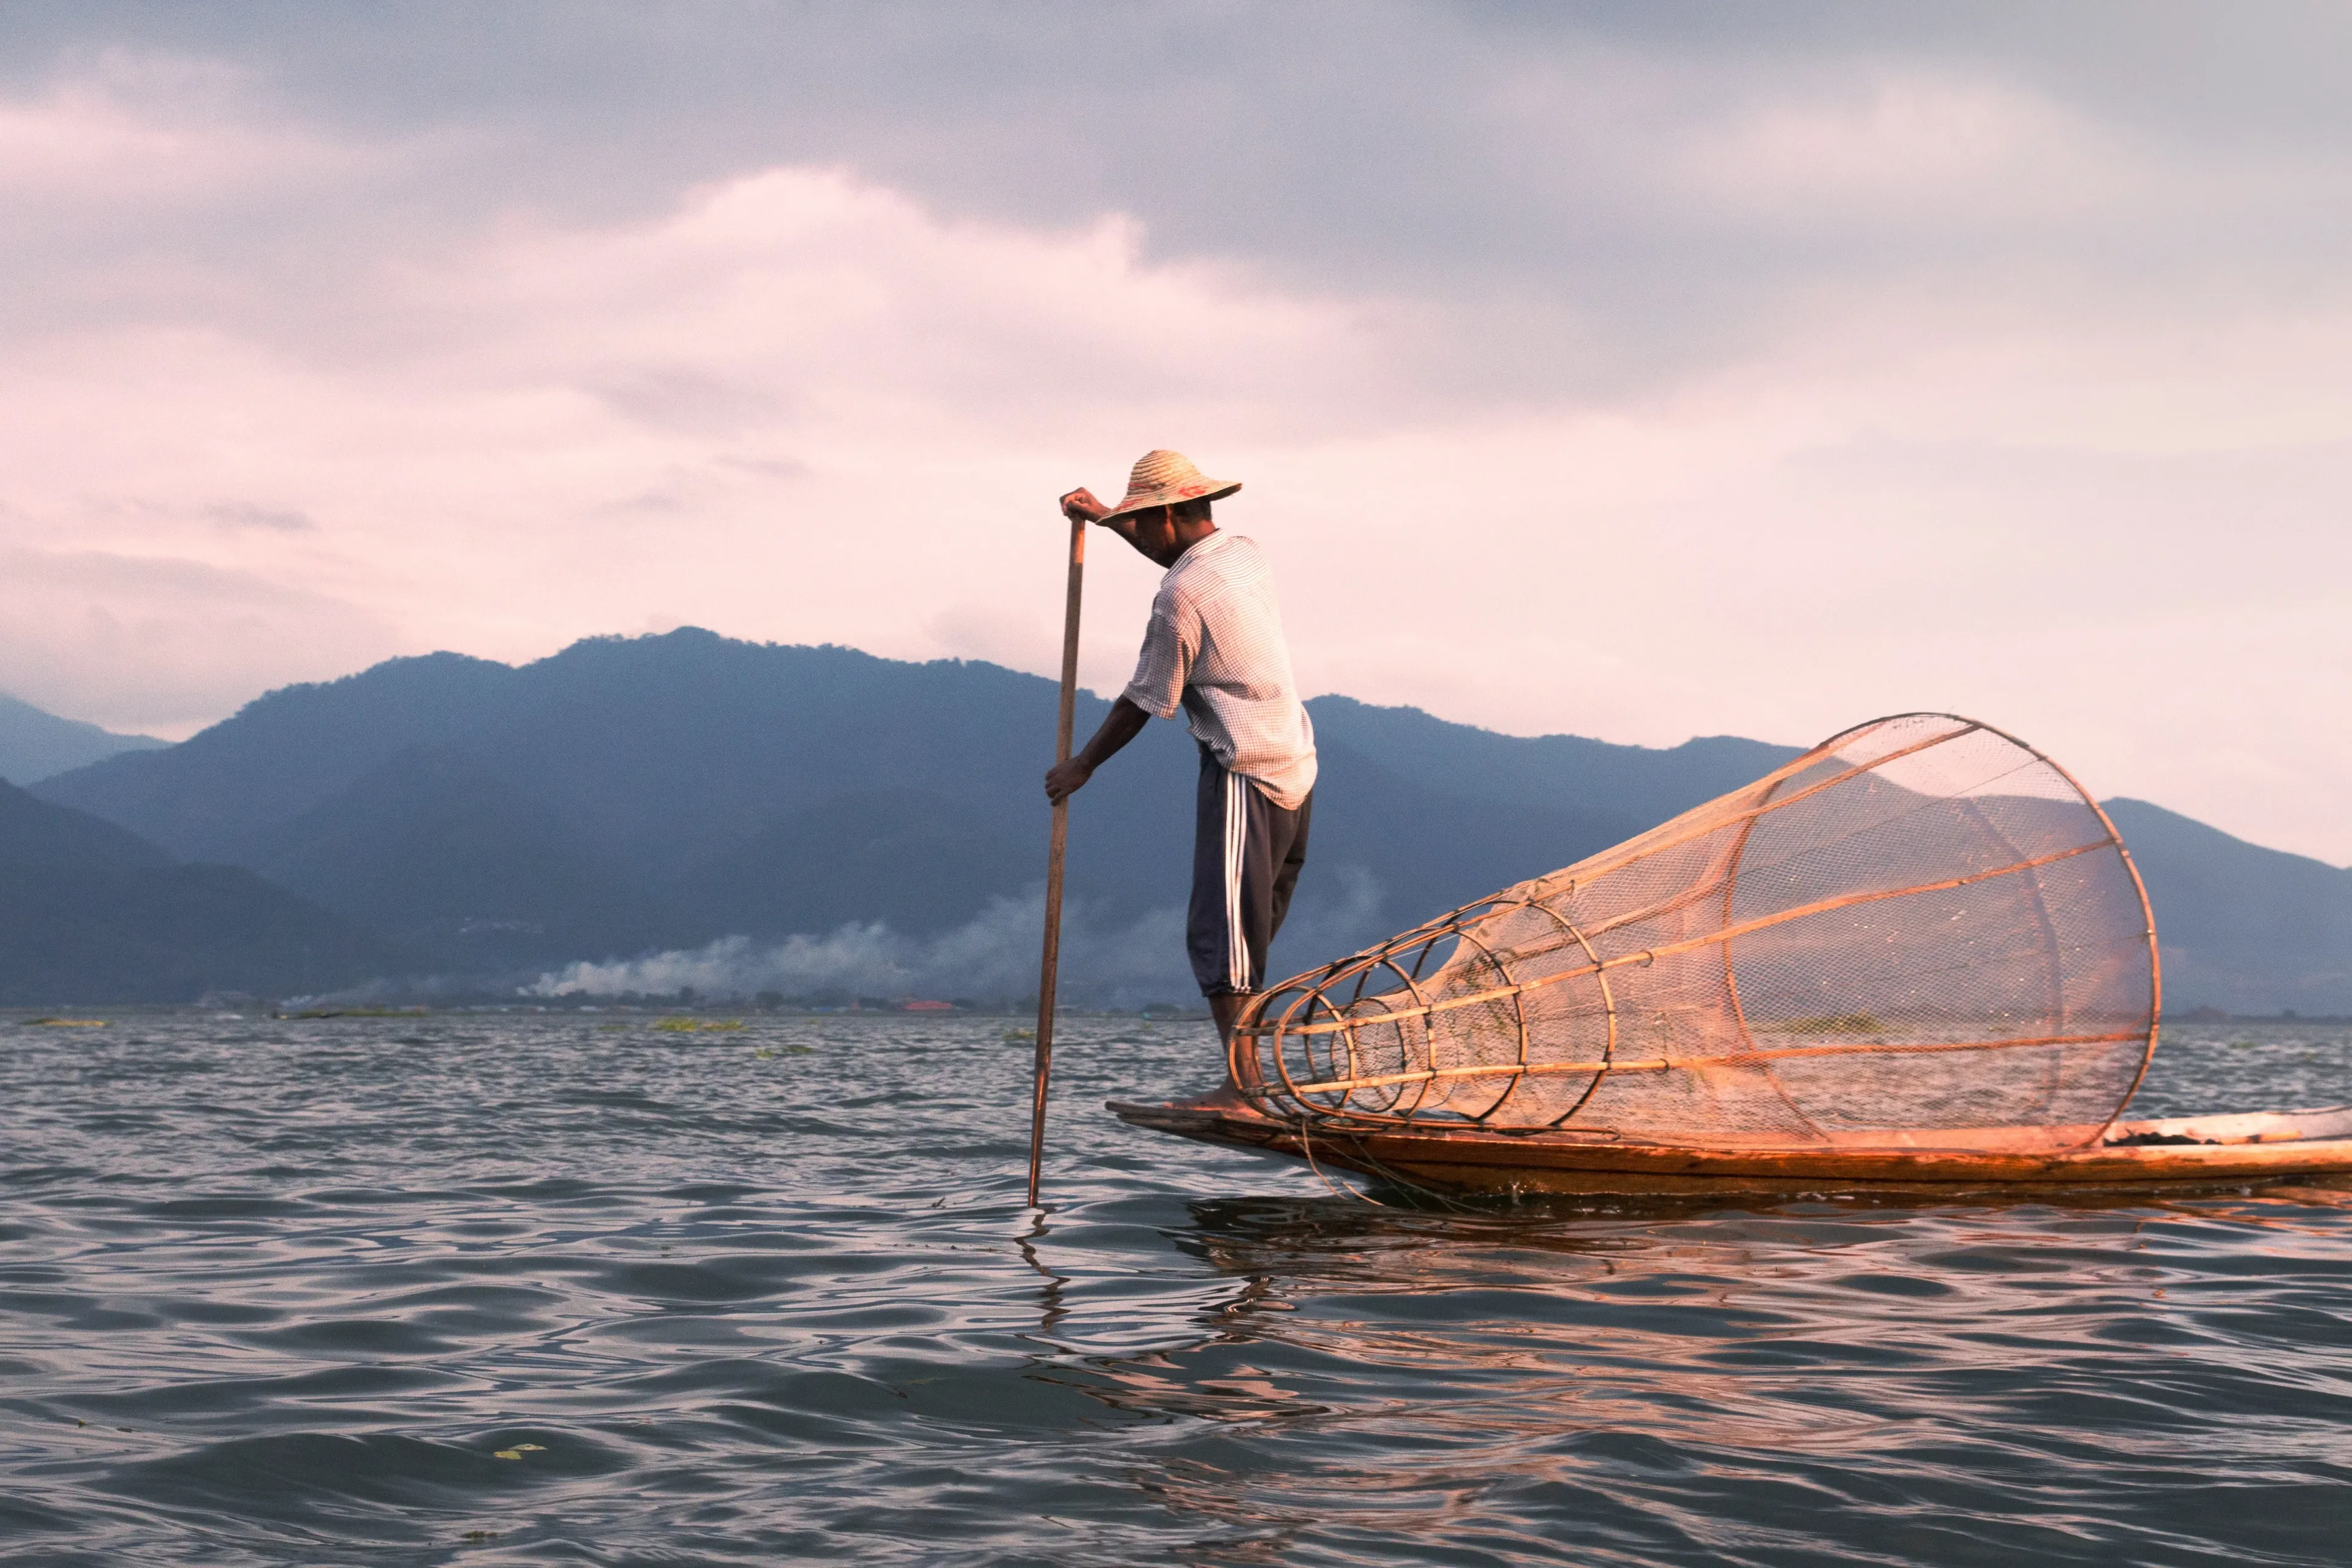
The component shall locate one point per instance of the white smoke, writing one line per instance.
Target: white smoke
(1338, 913)
(992, 957)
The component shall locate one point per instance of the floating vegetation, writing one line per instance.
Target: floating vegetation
(64, 1023)
(768, 1053)
(519, 1449)
(1010, 1036)
(699, 1025)
(1835, 1024)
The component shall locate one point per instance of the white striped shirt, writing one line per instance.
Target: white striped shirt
(1215, 647)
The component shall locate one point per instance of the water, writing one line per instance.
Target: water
(284, 1293)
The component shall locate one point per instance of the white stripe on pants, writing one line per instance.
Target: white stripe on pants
(1237, 965)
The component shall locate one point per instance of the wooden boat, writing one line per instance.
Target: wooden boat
(2184, 1152)
(1917, 958)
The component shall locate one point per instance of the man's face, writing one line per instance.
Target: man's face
(1155, 535)
(1165, 533)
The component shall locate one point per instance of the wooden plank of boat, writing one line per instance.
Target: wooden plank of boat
(2188, 1151)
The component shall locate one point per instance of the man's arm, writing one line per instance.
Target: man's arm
(1123, 723)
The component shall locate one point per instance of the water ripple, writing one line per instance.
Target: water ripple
(515, 1289)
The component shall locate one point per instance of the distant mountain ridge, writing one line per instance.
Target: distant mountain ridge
(35, 744)
(89, 911)
(631, 796)
(2241, 928)
(626, 794)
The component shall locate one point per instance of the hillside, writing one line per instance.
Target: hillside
(2241, 928)
(90, 912)
(656, 795)
(676, 789)
(35, 744)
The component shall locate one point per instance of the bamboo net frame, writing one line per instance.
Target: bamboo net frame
(1922, 930)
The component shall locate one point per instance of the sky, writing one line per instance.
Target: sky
(1629, 370)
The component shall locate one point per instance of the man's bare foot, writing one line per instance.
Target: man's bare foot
(1227, 1011)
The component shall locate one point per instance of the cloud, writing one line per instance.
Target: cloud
(1907, 151)
(721, 410)
(94, 143)
(247, 514)
(1619, 371)
(164, 645)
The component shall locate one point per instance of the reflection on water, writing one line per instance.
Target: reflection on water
(1928, 1384)
(515, 1290)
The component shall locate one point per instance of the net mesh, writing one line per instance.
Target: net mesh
(1922, 932)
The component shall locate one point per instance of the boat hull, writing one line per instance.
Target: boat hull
(2230, 1151)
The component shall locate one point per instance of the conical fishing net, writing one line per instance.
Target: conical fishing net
(1920, 933)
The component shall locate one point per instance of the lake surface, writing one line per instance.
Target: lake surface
(501, 1289)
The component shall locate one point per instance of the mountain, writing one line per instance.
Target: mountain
(1637, 783)
(918, 861)
(662, 750)
(432, 849)
(679, 788)
(629, 796)
(34, 833)
(35, 744)
(215, 795)
(90, 912)
(2241, 928)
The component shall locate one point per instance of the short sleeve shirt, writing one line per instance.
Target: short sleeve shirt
(1215, 649)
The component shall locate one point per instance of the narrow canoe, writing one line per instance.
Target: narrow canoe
(2239, 1150)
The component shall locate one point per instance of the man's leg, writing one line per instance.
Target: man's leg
(1207, 941)
(1246, 856)
(1217, 923)
(1290, 854)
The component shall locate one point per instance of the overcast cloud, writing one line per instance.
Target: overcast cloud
(1630, 370)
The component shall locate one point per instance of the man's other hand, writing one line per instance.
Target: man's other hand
(1121, 725)
(1081, 504)
(1065, 779)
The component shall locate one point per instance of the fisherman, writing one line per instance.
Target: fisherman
(1214, 648)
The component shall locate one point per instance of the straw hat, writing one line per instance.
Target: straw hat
(1163, 479)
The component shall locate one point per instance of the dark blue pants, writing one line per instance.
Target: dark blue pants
(1246, 856)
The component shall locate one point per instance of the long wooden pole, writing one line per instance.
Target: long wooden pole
(1053, 854)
